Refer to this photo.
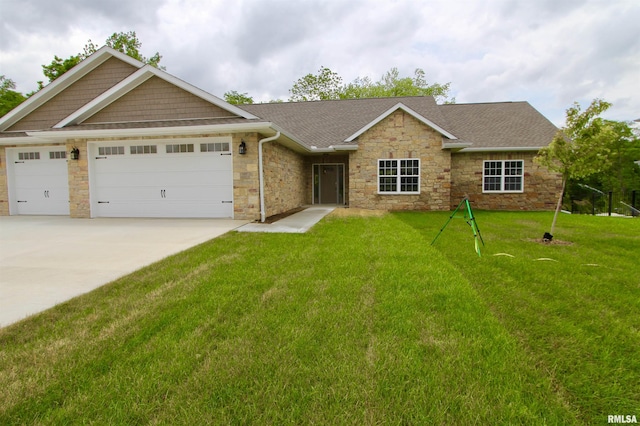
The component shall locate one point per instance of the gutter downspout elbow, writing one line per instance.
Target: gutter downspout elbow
(261, 173)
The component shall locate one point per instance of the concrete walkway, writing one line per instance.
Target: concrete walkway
(297, 223)
(46, 260)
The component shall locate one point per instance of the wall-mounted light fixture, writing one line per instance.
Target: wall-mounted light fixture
(75, 153)
(242, 148)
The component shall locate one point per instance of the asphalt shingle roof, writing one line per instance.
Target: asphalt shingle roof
(326, 123)
(499, 125)
(485, 125)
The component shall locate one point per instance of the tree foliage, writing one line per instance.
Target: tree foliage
(581, 148)
(125, 42)
(327, 84)
(321, 87)
(9, 98)
(392, 85)
(235, 98)
(621, 174)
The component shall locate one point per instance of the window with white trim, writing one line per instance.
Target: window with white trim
(401, 176)
(111, 150)
(503, 176)
(178, 148)
(29, 155)
(143, 149)
(55, 155)
(214, 147)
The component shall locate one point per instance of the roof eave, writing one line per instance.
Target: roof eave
(502, 149)
(58, 135)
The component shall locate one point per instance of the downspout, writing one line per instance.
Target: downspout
(261, 173)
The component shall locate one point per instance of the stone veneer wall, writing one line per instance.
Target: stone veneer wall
(246, 181)
(4, 185)
(79, 201)
(400, 136)
(285, 179)
(541, 187)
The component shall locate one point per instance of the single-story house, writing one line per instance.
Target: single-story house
(114, 137)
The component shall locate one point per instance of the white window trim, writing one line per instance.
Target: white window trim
(502, 176)
(398, 182)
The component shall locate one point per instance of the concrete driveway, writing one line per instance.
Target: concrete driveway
(46, 260)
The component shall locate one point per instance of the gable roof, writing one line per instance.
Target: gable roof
(323, 124)
(135, 80)
(400, 106)
(63, 82)
(470, 127)
(501, 126)
(141, 74)
(126, 85)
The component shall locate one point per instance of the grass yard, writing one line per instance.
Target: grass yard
(359, 321)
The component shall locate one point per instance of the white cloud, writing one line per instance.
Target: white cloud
(548, 52)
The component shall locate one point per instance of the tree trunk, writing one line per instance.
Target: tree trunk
(558, 207)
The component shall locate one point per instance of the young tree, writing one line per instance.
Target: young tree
(579, 149)
(9, 98)
(235, 98)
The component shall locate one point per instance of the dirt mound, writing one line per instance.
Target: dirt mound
(346, 212)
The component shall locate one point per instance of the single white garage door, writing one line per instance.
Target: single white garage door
(166, 178)
(38, 180)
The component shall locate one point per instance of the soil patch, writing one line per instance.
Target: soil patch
(553, 242)
(346, 212)
(277, 217)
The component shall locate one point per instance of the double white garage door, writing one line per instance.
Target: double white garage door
(165, 178)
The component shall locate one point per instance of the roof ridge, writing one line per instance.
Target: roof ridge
(485, 103)
(337, 100)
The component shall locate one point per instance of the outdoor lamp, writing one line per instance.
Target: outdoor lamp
(75, 153)
(242, 149)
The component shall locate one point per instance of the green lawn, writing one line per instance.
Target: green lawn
(360, 321)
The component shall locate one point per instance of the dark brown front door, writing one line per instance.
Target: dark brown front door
(329, 183)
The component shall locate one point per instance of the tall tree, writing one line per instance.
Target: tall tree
(236, 98)
(622, 174)
(323, 86)
(9, 98)
(580, 149)
(127, 43)
(328, 85)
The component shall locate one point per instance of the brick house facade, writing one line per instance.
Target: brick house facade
(148, 143)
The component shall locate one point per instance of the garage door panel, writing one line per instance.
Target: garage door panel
(161, 184)
(210, 193)
(127, 179)
(38, 181)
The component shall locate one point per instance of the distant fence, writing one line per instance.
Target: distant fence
(588, 200)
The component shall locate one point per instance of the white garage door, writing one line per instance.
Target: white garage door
(169, 178)
(38, 180)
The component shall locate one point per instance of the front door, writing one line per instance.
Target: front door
(328, 183)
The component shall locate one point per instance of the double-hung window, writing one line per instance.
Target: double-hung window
(401, 176)
(503, 176)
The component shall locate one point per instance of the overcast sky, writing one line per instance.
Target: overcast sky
(547, 52)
